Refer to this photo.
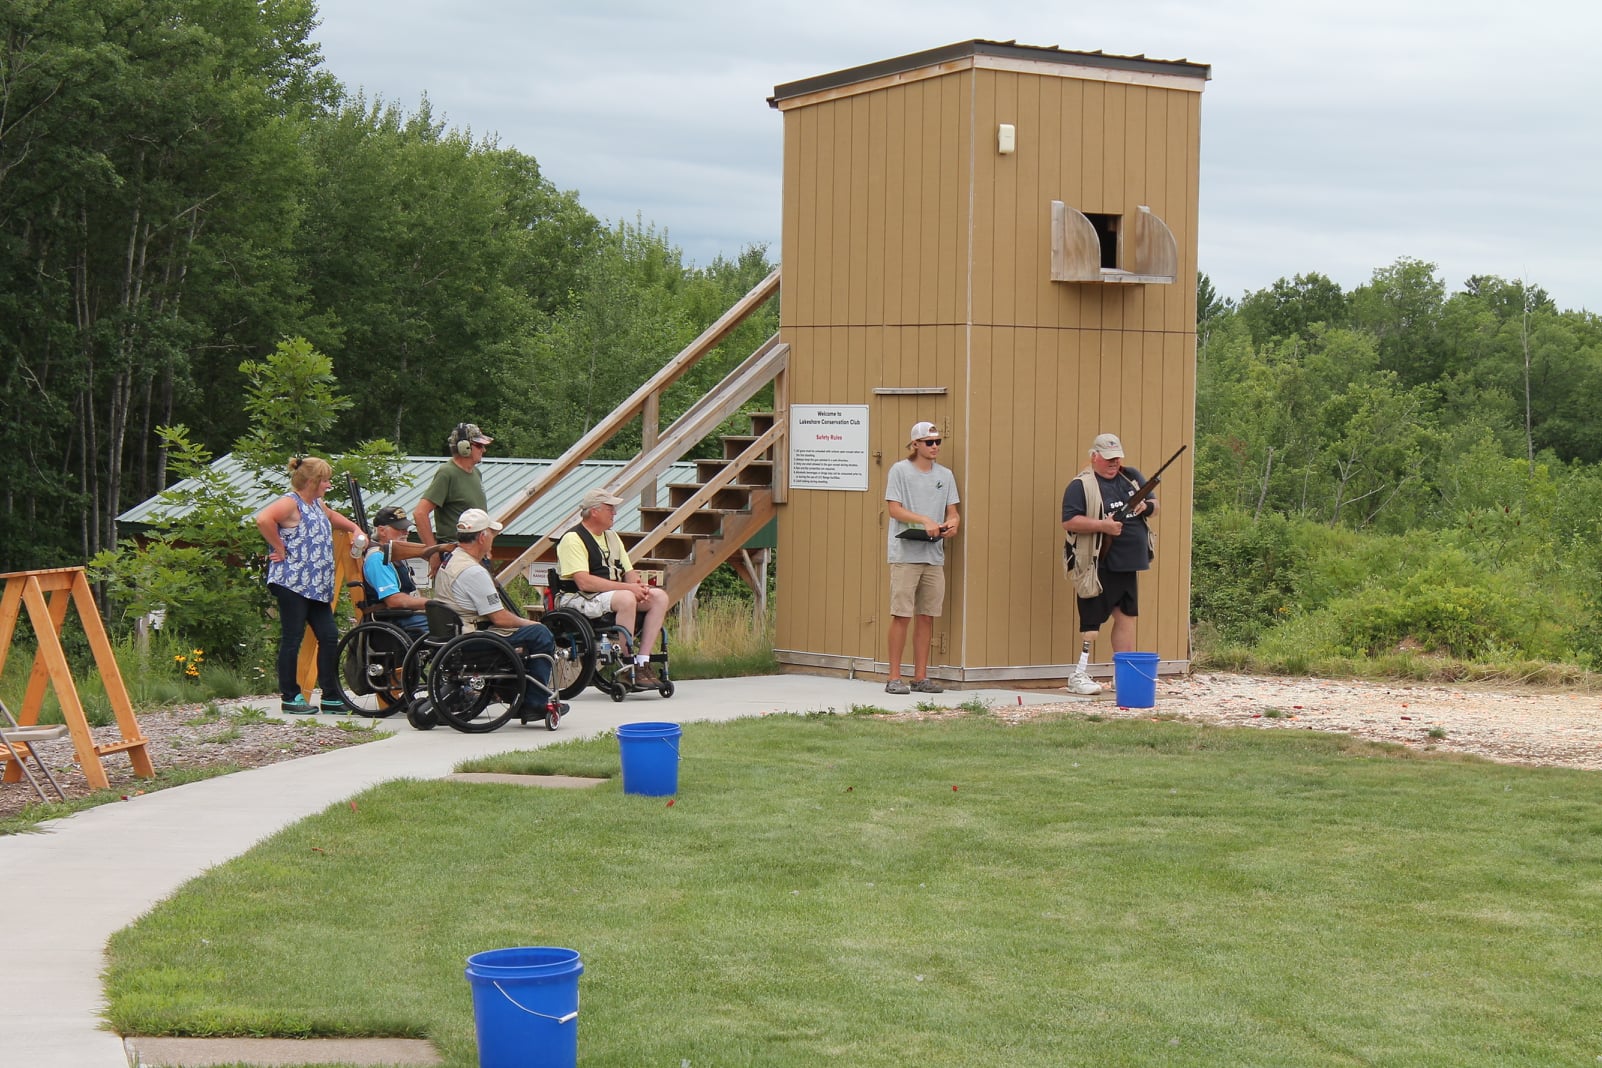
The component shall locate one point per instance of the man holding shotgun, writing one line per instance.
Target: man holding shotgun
(1104, 511)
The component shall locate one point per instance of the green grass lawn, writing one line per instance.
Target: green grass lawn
(848, 890)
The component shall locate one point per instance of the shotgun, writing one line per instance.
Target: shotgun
(357, 506)
(358, 544)
(1118, 508)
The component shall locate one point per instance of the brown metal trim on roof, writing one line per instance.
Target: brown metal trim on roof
(972, 49)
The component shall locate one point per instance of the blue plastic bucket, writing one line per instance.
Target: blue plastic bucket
(1135, 679)
(525, 1006)
(650, 754)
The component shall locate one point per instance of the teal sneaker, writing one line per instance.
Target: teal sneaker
(298, 707)
(332, 708)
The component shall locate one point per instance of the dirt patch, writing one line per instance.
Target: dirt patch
(183, 737)
(1557, 728)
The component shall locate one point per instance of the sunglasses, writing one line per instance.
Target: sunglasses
(930, 441)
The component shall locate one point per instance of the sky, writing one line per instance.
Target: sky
(1336, 137)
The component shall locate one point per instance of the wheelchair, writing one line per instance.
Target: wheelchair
(372, 657)
(602, 650)
(474, 681)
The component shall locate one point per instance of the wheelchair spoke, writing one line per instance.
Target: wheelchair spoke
(476, 682)
(371, 657)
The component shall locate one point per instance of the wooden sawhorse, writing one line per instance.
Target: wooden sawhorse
(66, 586)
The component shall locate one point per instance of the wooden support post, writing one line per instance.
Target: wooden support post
(650, 432)
(69, 586)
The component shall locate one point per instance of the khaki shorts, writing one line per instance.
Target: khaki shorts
(591, 606)
(917, 589)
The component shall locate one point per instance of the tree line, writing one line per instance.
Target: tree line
(185, 190)
(1398, 467)
(184, 186)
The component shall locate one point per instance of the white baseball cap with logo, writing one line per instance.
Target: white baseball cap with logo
(475, 520)
(1108, 447)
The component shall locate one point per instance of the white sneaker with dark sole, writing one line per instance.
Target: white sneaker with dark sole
(1082, 684)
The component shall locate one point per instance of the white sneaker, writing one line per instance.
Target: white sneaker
(1082, 684)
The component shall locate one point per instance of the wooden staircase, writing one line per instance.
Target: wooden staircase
(706, 522)
(712, 518)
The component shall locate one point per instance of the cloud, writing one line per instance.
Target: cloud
(1336, 137)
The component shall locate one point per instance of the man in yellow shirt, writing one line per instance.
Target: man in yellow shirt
(592, 557)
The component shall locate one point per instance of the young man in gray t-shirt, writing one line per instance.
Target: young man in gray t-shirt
(921, 498)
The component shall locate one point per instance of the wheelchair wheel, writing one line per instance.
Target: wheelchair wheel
(476, 683)
(575, 652)
(666, 689)
(370, 659)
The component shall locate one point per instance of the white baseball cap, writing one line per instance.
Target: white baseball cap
(923, 430)
(475, 520)
(1108, 447)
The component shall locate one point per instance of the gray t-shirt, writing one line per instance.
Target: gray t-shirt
(922, 493)
(466, 585)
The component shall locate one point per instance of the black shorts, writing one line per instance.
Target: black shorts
(1119, 590)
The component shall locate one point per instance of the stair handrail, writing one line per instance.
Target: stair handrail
(739, 386)
(671, 372)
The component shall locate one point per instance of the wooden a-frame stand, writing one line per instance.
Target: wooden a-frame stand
(65, 586)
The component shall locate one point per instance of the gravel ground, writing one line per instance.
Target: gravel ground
(1561, 728)
(1558, 728)
(184, 737)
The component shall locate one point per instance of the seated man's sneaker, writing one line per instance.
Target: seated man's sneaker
(1083, 684)
(897, 686)
(645, 678)
(927, 686)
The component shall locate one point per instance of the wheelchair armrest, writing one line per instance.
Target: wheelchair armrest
(389, 615)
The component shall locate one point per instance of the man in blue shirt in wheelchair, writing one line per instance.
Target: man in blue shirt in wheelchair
(390, 584)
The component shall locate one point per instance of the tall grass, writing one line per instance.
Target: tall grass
(726, 640)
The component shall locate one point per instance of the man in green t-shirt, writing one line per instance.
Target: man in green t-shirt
(457, 487)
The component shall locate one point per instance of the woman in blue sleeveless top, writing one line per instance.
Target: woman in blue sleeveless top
(299, 528)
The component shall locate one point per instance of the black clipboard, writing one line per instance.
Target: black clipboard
(917, 534)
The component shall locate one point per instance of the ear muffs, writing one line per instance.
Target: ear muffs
(460, 442)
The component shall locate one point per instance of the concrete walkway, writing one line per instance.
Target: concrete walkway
(70, 887)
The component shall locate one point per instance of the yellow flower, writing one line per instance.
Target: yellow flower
(179, 658)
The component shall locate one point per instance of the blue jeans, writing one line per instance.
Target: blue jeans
(535, 638)
(295, 613)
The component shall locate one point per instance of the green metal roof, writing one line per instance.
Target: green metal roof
(505, 480)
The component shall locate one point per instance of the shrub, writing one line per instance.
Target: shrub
(1243, 574)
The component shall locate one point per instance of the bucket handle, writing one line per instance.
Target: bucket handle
(671, 743)
(569, 1018)
(1132, 666)
(1136, 670)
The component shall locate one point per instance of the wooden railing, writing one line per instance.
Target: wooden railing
(769, 363)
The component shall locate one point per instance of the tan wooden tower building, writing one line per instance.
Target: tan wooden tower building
(1001, 239)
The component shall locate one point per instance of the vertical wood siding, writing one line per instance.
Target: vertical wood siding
(915, 254)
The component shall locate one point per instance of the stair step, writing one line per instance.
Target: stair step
(735, 444)
(678, 546)
(762, 422)
(707, 521)
(729, 498)
(755, 473)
